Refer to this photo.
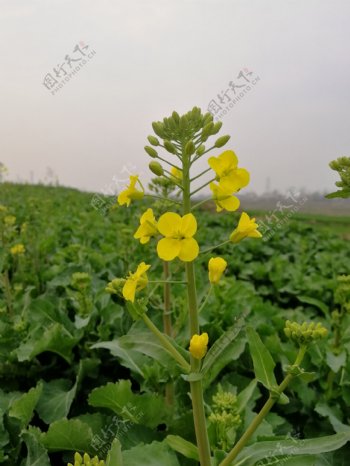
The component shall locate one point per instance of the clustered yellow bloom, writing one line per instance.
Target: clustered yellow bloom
(10, 220)
(216, 267)
(17, 250)
(199, 345)
(135, 282)
(230, 180)
(147, 228)
(130, 193)
(86, 460)
(178, 238)
(247, 228)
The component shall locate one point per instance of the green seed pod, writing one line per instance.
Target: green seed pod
(158, 128)
(222, 141)
(200, 150)
(151, 152)
(169, 147)
(216, 127)
(156, 168)
(190, 148)
(153, 140)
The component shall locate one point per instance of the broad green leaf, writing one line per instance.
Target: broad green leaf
(250, 455)
(71, 435)
(55, 400)
(154, 454)
(344, 193)
(315, 302)
(187, 449)
(147, 409)
(128, 358)
(115, 457)
(221, 345)
(23, 407)
(36, 452)
(55, 339)
(262, 360)
(333, 414)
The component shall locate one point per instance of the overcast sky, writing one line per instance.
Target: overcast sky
(149, 57)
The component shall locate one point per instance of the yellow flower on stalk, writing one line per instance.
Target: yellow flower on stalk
(17, 250)
(224, 199)
(135, 282)
(216, 267)
(229, 176)
(178, 232)
(247, 228)
(147, 228)
(199, 345)
(176, 173)
(130, 193)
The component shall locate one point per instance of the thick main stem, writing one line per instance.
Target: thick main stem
(196, 386)
(262, 413)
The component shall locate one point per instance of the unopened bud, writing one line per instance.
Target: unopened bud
(216, 127)
(201, 149)
(153, 140)
(222, 141)
(158, 128)
(156, 168)
(169, 147)
(151, 152)
(190, 148)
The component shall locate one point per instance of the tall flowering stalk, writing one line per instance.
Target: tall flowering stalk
(182, 140)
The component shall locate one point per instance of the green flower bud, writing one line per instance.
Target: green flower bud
(305, 333)
(190, 148)
(156, 168)
(222, 141)
(201, 149)
(153, 140)
(115, 286)
(151, 152)
(176, 117)
(169, 147)
(216, 127)
(207, 118)
(206, 131)
(158, 128)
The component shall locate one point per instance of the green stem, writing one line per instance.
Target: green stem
(214, 247)
(263, 412)
(7, 292)
(204, 302)
(201, 187)
(163, 198)
(167, 326)
(183, 282)
(196, 386)
(166, 343)
(201, 202)
(169, 163)
(201, 174)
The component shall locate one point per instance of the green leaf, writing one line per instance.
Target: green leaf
(262, 360)
(249, 456)
(187, 449)
(55, 400)
(315, 302)
(221, 344)
(71, 435)
(23, 408)
(341, 193)
(154, 454)
(333, 414)
(148, 409)
(55, 339)
(336, 361)
(245, 395)
(114, 457)
(36, 453)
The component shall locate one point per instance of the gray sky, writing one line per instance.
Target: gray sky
(154, 56)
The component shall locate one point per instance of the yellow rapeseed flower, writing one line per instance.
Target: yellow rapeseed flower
(224, 199)
(247, 228)
(130, 193)
(176, 173)
(216, 267)
(17, 250)
(199, 345)
(10, 220)
(229, 176)
(147, 228)
(135, 282)
(178, 241)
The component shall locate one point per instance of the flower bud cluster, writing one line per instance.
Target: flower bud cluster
(304, 333)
